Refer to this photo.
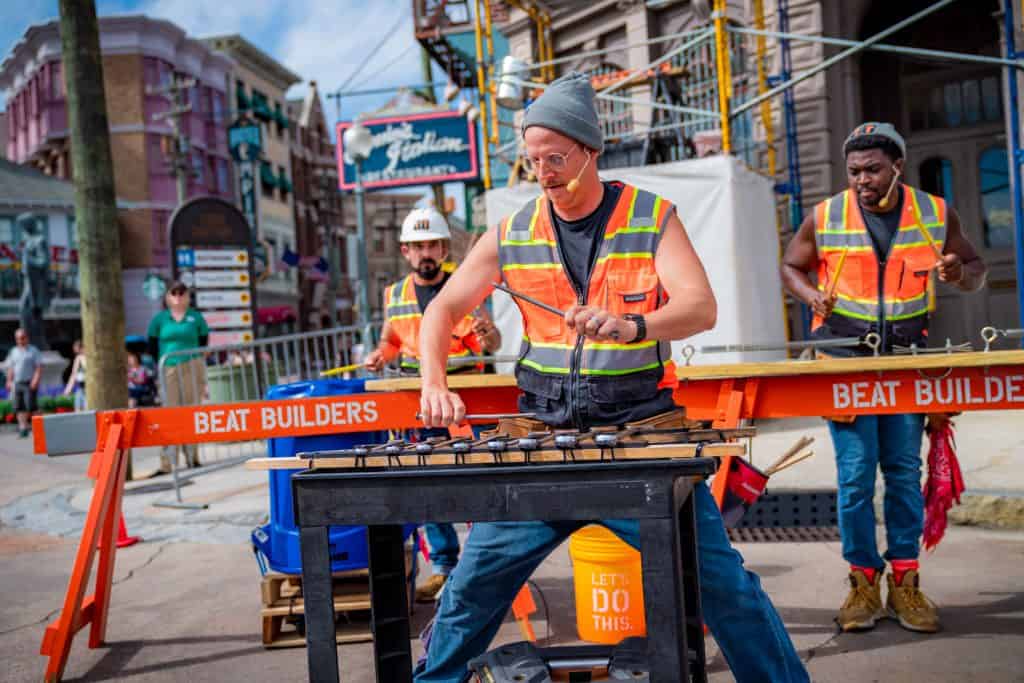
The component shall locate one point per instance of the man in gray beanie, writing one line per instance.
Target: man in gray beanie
(618, 261)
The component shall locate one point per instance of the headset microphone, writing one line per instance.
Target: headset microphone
(884, 201)
(574, 184)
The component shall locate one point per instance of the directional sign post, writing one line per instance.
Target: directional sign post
(211, 242)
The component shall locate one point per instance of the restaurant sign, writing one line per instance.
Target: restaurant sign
(416, 149)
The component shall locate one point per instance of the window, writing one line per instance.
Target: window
(937, 178)
(283, 183)
(996, 211)
(964, 102)
(198, 168)
(223, 182)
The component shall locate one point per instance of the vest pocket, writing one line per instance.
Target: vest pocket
(540, 284)
(631, 292)
(625, 389)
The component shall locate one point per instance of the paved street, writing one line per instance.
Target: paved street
(185, 601)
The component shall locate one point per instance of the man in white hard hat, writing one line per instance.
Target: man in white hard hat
(425, 240)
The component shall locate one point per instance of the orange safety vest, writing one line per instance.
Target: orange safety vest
(893, 301)
(623, 280)
(403, 314)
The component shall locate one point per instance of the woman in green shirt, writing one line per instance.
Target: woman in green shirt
(179, 327)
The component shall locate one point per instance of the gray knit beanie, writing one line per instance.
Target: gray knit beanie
(567, 106)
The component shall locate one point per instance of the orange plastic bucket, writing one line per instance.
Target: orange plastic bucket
(609, 586)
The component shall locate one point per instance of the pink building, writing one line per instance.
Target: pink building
(139, 53)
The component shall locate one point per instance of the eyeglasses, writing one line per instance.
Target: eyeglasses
(179, 292)
(554, 161)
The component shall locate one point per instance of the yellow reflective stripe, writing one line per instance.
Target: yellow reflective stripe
(549, 345)
(406, 316)
(532, 266)
(850, 314)
(850, 249)
(907, 316)
(615, 373)
(874, 302)
(602, 346)
(626, 231)
(826, 231)
(527, 243)
(626, 255)
(543, 368)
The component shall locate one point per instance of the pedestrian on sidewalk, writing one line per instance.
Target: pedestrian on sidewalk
(179, 327)
(874, 248)
(76, 380)
(24, 370)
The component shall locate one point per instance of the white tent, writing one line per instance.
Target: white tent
(729, 213)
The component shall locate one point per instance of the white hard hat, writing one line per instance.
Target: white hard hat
(422, 225)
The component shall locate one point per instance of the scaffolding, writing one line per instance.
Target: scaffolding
(713, 91)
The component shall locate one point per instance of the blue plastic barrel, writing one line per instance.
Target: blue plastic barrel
(278, 540)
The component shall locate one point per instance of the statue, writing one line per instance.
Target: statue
(35, 276)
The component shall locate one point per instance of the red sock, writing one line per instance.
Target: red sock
(901, 567)
(869, 572)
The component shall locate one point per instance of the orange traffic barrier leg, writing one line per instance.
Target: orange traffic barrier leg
(109, 464)
(522, 607)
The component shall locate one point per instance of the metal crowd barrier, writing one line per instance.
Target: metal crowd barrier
(234, 373)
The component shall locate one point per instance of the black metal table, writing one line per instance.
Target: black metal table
(654, 492)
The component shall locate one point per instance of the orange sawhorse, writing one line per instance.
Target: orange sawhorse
(108, 466)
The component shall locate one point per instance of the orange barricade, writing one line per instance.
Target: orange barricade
(724, 395)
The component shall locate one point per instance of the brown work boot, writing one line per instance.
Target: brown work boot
(429, 590)
(910, 606)
(863, 606)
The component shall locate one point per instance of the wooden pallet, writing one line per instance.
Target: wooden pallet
(284, 608)
(283, 603)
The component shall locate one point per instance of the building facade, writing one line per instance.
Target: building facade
(24, 189)
(140, 55)
(952, 113)
(258, 86)
(319, 232)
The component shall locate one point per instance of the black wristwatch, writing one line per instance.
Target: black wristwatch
(641, 327)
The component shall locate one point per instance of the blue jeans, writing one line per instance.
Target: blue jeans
(500, 556)
(444, 547)
(892, 442)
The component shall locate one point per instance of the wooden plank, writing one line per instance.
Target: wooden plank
(274, 637)
(511, 457)
(454, 382)
(835, 366)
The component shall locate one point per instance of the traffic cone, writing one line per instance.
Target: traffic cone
(123, 539)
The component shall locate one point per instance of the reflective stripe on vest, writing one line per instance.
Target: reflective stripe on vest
(623, 281)
(839, 228)
(402, 312)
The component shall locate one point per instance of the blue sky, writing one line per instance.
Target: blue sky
(321, 40)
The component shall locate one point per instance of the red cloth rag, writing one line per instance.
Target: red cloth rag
(944, 485)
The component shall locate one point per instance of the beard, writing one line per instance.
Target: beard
(428, 269)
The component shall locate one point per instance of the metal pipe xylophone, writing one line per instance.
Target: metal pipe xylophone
(558, 446)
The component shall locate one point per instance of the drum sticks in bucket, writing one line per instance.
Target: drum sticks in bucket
(790, 457)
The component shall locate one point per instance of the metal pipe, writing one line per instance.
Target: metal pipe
(495, 136)
(787, 346)
(1015, 157)
(482, 96)
(722, 56)
(625, 100)
(828, 63)
(879, 47)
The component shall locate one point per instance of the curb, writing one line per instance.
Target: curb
(995, 510)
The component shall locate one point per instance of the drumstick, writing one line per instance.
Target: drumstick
(789, 464)
(924, 231)
(341, 370)
(529, 299)
(793, 450)
(539, 304)
(835, 275)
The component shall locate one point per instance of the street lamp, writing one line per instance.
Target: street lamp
(358, 143)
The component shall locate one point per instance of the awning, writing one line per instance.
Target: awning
(242, 102)
(284, 183)
(260, 106)
(267, 175)
(271, 315)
